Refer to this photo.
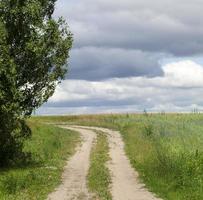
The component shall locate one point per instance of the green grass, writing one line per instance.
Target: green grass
(168, 157)
(50, 147)
(166, 149)
(99, 176)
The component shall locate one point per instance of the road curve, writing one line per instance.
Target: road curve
(125, 181)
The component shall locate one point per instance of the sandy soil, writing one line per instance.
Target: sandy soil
(125, 181)
(74, 185)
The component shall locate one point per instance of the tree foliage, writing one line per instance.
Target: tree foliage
(33, 56)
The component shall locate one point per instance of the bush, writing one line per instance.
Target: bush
(13, 133)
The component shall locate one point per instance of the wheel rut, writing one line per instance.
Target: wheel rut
(74, 186)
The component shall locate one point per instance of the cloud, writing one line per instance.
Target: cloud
(174, 26)
(121, 38)
(180, 87)
(92, 63)
(114, 109)
(129, 55)
(184, 74)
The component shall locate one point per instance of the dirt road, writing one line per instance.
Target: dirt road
(74, 185)
(125, 182)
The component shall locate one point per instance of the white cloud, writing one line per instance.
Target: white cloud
(184, 74)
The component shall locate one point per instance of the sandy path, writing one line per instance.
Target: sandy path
(73, 185)
(125, 182)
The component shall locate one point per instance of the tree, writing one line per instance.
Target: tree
(33, 60)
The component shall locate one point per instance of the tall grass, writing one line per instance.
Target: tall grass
(168, 157)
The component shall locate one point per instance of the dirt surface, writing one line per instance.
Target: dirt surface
(125, 181)
(74, 185)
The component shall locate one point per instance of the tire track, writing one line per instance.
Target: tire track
(74, 186)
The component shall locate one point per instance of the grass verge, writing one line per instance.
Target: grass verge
(50, 147)
(99, 175)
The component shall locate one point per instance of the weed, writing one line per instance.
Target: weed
(99, 175)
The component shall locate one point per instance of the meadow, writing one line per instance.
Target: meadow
(49, 147)
(166, 149)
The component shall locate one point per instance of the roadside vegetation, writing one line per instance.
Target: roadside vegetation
(99, 175)
(166, 149)
(50, 147)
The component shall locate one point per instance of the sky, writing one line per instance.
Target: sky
(131, 55)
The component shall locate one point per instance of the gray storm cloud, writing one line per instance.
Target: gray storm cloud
(159, 27)
(93, 63)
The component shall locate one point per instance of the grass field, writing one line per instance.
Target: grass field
(99, 175)
(50, 147)
(166, 149)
